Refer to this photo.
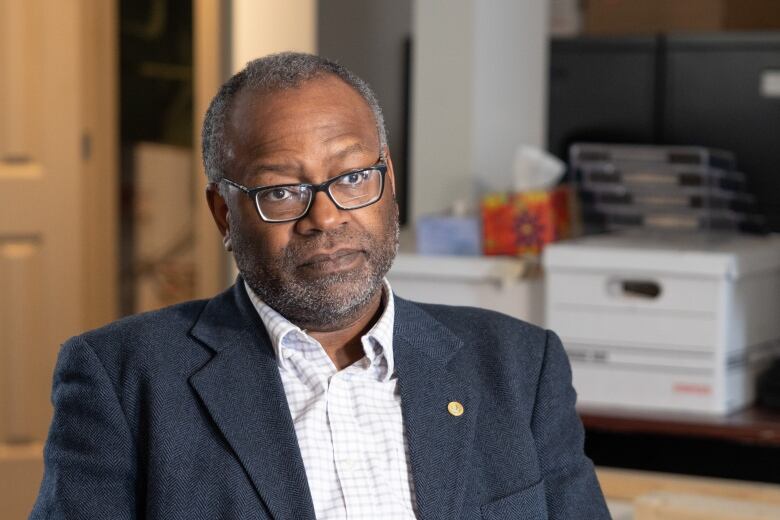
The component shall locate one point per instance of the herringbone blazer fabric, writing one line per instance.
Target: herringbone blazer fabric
(181, 414)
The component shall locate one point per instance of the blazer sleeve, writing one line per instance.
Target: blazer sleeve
(89, 458)
(571, 488)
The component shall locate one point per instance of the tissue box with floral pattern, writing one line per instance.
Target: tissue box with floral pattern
(522, 223)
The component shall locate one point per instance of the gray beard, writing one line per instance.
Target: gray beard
(331, 302)
(327, 302)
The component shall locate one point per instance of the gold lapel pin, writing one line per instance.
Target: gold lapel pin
(455, 408)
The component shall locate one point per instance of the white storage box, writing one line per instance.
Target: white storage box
(496, 283)
(676, 324)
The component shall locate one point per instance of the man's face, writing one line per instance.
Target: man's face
(322, 271)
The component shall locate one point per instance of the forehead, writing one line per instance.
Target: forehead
(320, 113)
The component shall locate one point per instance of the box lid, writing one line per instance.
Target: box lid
(729, 256)
(464, 268)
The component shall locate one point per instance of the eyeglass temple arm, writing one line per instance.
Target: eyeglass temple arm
(236, 185)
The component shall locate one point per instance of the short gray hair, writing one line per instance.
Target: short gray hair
(273, 73)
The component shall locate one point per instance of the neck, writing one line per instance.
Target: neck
(343, 345)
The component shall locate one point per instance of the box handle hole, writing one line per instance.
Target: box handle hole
(646, 289)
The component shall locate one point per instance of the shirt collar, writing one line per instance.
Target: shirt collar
(377, 342)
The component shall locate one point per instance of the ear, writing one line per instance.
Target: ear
(219, 210)
(390, 171)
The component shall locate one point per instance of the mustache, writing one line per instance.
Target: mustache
(327, 240)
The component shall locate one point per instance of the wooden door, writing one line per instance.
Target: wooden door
(57, 211)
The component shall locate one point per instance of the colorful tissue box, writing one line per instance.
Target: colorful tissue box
(522, 223)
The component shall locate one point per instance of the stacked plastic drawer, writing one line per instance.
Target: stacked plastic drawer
(673, 188)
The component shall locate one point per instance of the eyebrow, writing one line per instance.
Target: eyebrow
(282, 168)
(274, 168)
(352, 149)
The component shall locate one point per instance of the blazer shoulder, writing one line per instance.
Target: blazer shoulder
(488, 338)
(142, 337)
(179, 317)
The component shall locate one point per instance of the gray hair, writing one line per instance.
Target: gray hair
(273, 73)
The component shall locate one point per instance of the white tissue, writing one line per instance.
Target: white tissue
(535, 169)
(461, 208)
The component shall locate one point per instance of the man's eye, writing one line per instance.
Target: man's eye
(277, 195)
(354, 179)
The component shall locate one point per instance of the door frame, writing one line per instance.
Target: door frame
(211, 65)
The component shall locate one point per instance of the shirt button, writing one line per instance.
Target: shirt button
(348, 464)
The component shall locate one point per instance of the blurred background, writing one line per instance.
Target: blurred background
(609, 169)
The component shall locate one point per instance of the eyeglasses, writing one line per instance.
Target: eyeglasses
(350, 190)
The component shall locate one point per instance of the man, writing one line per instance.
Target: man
(308, 389)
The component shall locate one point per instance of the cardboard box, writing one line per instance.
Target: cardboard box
(626, 17)
(507, 285)
(522, 223)
(681, 323)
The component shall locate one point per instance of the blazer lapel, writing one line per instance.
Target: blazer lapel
(440, 442)
(242, 391)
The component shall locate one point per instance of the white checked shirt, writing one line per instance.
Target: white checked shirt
(348, 422)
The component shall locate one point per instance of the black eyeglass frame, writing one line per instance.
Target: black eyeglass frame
(315, 188)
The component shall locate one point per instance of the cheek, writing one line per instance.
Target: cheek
(385, 216)
(257, 238)
(273, 242)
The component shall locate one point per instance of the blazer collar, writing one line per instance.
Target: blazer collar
(242, 390)
(431, 375)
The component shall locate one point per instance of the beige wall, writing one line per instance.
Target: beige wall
(478, 91)
(261, 27)
(442, 121)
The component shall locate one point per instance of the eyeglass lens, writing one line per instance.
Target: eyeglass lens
(349, 191)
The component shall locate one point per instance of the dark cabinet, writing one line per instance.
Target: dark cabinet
(718, 90)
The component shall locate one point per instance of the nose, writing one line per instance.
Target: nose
(323, 215)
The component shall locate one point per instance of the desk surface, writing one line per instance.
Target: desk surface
(752, 425)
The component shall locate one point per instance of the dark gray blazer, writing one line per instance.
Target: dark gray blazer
(181, 414)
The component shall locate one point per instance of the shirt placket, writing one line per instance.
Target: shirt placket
(346, 435)
(313, 371)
